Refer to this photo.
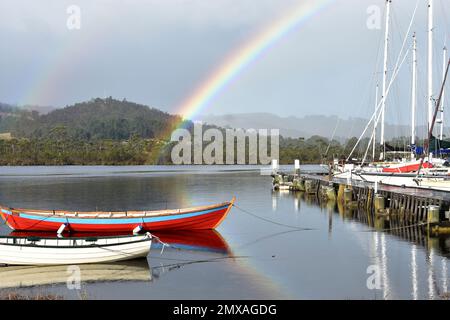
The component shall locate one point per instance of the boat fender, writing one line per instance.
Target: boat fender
(61, 228)
(137, 229)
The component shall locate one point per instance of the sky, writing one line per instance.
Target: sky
(158, 52)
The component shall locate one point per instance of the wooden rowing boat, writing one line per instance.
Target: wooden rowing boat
(196, 218)
(58, 251)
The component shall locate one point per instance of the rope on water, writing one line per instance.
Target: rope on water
(270, 221)
(306, 229)
(189, 262)
(396, 228)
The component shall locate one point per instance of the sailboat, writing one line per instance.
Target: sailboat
(417, 173)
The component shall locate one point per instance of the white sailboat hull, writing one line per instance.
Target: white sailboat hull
(22, 251)
(399, 180)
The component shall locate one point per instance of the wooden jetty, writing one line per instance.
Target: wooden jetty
(399, 207)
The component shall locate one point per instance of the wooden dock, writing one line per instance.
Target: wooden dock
(398, 207)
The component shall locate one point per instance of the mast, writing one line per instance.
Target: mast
(386, 43)
(413, 95)
(375, 125)
(426, 145)
(441, 120)
(430, 63)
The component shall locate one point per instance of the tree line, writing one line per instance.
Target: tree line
(63, 150)
(118, 132)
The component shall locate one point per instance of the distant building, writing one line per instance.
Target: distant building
(5, 136)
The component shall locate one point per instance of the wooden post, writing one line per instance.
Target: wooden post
(432, 217)
(301, 184)
(309, 186)
(331, 193)
(341, 193)
(348, 195)
(274, 166)
(297, 167)
(379, 203)
(296, 184)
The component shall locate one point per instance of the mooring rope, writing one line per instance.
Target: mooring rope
(164, 244)
(396, 228)
(271, 221)
(172, 266)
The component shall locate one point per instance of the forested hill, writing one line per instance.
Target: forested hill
(91, 120)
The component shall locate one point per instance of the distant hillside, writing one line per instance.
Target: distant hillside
(306, 127)
(4, 107)
(40, 109)
(94, 119)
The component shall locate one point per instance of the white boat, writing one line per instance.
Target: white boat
(425, 173)
(411, 180)
(63, 251)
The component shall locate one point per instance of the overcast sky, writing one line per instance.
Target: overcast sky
(157, 52)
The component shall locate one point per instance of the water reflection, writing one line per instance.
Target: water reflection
(195, 240)
(191, 241)
(327, 260)
(209, 241)
(430, 284)
(31, 276)
(414, 272)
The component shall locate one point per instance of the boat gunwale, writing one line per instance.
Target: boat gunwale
(75, 238)
(128, 214)
(93, 245)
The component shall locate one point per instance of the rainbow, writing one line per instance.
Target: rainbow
(215, 83)
(236, 62)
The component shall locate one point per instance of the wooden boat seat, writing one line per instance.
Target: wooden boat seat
(88, 215)
(104, 215)
(136, 214)
(119, 215)
(69, 214)
(38, 212)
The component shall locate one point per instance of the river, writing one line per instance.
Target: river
(331, 256)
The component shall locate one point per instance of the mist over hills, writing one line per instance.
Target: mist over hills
(306, 126)
(119, 119)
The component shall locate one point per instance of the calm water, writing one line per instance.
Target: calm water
(246, 259)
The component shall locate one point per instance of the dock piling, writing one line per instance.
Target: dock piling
(379, 204)
(432, 217)
(369, 202)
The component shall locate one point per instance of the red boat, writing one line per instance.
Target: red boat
(196, 218)
(407, 167)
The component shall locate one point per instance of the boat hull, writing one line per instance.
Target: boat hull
(195, 219)
(14, 251)
(400, 180)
